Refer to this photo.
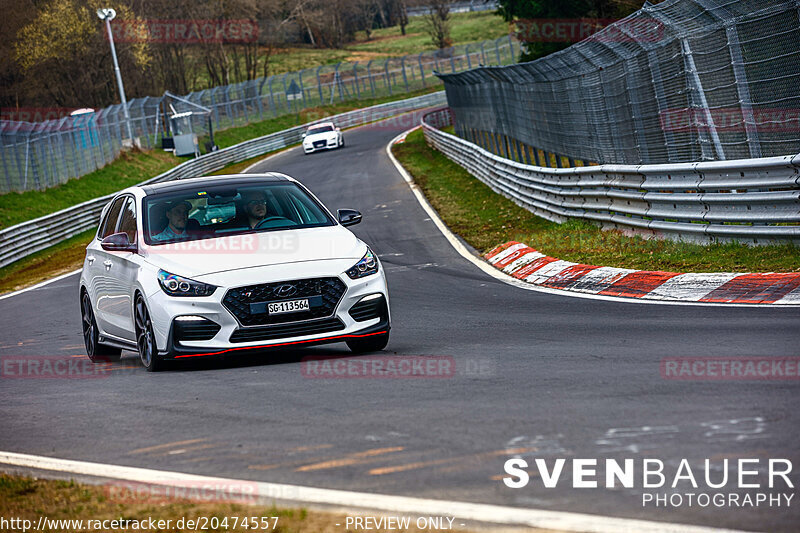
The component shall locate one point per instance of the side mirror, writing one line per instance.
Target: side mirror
(338, 129)
(348, 217)
(303, 136)
(118, 242)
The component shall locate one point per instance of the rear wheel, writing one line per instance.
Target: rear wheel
(145, 339)
(96, 351)
(373, 343)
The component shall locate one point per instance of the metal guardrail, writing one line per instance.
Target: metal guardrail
(26, 238)
(748, 200)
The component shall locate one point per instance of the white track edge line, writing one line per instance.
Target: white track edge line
(485, 513)
(505, 278)
(40, 284)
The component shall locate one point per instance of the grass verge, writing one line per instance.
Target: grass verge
(28, 499)
(485, 219)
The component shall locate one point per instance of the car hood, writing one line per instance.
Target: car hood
(209, 256)
(324, 136)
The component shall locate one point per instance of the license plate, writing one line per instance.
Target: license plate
(290, 306)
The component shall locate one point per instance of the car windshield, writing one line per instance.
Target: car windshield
(208, 212)
(319, 129)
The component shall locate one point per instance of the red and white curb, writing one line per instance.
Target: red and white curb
(522, 262)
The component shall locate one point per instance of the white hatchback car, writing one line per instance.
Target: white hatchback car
(217, 265)
(322, 136)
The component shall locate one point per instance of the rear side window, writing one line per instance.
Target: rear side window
(110, 221)
(127, 222)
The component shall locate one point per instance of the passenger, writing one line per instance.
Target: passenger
(178, 215)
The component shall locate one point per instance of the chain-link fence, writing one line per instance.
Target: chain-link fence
(43, 154)
(679, 81)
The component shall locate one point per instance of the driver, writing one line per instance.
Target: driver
(178, 215)
(255, 207)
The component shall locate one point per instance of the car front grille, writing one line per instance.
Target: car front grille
(248, 304)
(320, 144)
(282, 331)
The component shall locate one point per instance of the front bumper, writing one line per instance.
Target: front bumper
(165, 309)
(329, 145)
(381, 327)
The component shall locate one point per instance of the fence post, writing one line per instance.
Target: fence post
(701, 95)
(483, 52)
(386, 71)
(421, 70)
(369, 75)
(743, 89)
(469, 61)
(355, 80)
(403, 66)
(319, 86)
(272, 97)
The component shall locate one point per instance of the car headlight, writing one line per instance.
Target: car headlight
(180, 286)
(367, 266)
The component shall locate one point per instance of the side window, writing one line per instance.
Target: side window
(128, 221)
(110, 222)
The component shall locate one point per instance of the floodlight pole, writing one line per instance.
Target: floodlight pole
(107, 16)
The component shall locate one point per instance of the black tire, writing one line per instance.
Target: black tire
(145, 339)
(97, 352)
(374, 343)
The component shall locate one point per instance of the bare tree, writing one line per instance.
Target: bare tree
(437, 23)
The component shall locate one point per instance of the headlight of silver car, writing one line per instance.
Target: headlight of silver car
(367, 266)
(179, 286)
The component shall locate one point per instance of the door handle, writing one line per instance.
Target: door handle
(90, 259)
(108, 264)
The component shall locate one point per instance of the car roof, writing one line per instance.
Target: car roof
(231, 180)
(318, 124)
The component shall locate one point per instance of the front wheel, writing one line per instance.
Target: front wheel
(97, 352)
(145, 339)
(373, 343)
(341, 142)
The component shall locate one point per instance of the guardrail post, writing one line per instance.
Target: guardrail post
(536, 157)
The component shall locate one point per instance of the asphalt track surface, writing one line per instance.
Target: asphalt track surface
(539, 375)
